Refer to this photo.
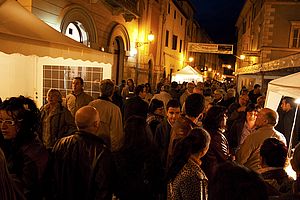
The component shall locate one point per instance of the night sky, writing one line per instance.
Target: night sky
(218, 17)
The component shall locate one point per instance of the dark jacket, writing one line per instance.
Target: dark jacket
(285, 124)
(235, 133)
(81, 168)
(162, 139)
(179, 131)
(138, 174)
(217, 153)
(28, 160)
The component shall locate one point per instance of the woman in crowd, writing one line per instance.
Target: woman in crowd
(128, 90)
(26, 156)
(155, 115)
(138, 167)
(242, 127)
(215, 124)
(149, 94)
(56, 120)
(186, 180)
(8, 188)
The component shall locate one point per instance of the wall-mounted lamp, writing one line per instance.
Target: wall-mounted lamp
(241, 57)
(150, 39)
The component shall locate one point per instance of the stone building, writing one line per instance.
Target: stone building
(268, 36)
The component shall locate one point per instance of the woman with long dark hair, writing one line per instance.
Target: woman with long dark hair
(186, 180)
(215, 124)
(138, 167)
(26, 156)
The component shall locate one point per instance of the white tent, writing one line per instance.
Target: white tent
(27, 44)
(187, 74)
(284, 86)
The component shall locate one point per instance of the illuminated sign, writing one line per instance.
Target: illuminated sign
(210, 48)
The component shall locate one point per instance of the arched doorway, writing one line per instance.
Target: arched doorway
(118, 65)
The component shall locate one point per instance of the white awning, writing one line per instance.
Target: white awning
(22, 32)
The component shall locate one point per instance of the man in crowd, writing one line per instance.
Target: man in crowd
(163, 130)
(163, 95)
(82, 164)
(188, 91)
(136, 105)
(194, 106)
(248, 154)
(255, 93)
(286, 119)
(77, 98)
(111, 118)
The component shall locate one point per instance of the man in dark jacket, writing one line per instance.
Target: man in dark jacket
(286, 118)
(81, 163)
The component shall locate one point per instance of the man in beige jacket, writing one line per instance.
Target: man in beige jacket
(111, 130)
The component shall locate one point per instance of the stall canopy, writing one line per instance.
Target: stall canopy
(187, 74)
(22, 32)
(284, 86)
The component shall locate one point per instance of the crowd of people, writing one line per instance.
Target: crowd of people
(182, 142)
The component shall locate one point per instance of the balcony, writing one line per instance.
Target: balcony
(128, 8)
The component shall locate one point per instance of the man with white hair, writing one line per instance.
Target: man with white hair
(81, 163)
(248, 154)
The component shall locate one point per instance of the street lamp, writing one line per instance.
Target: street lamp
(150, 39)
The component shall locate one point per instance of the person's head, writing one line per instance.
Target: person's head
(251, 112)
(77, 85)
(123, 82)
(19, 118)
(243, 99)
(87, 119)
(190, 87)
(165, 88)
(261, 101)
(107, 88)
(257, 88)
(230, 93)
(194, 105)
(266, 116)
(295, 161)
(236, 182)
(287, 104)
(173, 111)
(273, 153)
(197, 90)
(244, 91)
(156, 107)
(174, 85)
(215, 118)
(195, 144)
(218, 94)
(207, 91)
(140, 91)
(54, 97)
(148, 87)
(135, 137)
(130, 82)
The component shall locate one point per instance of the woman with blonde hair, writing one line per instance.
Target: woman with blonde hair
(56, 120)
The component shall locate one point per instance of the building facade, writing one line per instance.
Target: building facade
(121, 28)
(268, 36)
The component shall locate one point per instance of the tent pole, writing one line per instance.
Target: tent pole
(292, 133)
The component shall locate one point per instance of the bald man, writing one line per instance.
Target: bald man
(248, 154)
(81, 163)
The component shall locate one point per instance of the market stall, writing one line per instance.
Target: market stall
(187, 74)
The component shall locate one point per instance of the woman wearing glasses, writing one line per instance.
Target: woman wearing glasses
(26, 156)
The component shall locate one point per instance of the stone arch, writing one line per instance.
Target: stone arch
(119, 31)
(77, 13)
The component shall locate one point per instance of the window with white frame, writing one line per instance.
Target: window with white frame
(295, 35)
